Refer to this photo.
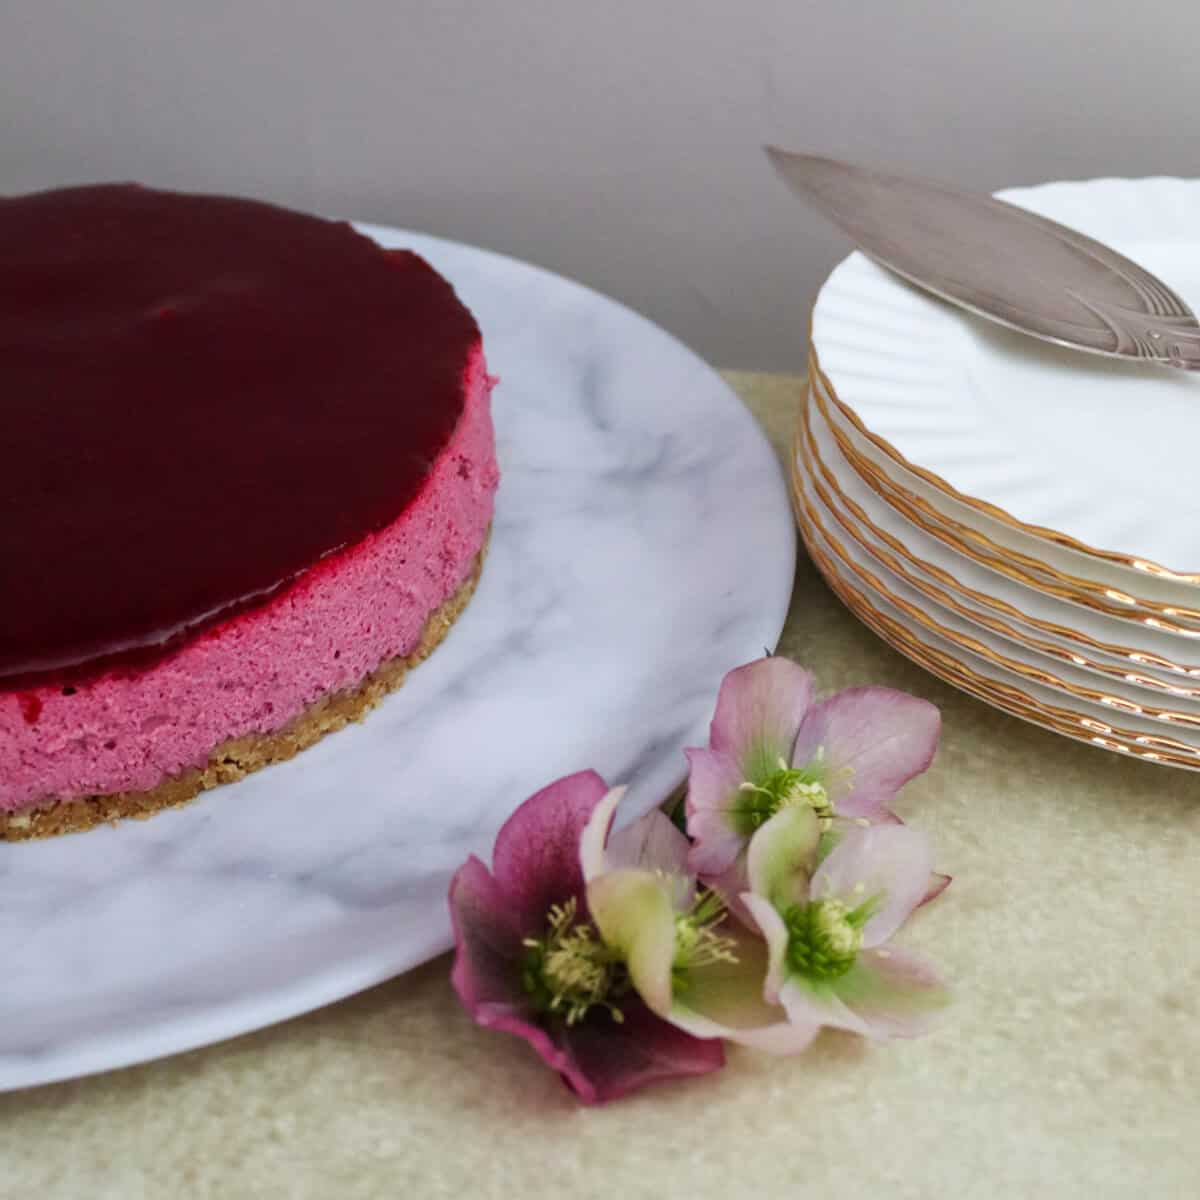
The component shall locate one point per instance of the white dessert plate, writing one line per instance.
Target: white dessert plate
(643, 545)
(845, 564)
(1085, 463)
(1105, 644)
(1042, 566)
(979, 647)
(855, 546)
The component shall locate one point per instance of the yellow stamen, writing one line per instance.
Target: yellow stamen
(697, 940)
(570, 968)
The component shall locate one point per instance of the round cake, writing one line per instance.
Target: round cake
(248, 477)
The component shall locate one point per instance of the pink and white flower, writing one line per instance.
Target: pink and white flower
(773, 746)
(690, 964)
(827, 924)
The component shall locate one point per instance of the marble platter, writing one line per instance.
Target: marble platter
(643, 545)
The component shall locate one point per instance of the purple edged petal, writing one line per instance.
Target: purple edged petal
(775, 934)
(889, 864)
(487, 943)
(606, 1059)
(636, 917)
(536, 859)
(877, 737)
(782, 855)
(810, 1003)
(726, 1000)
(893, 992)
(938, 883)
(487, 965)
(714, 779)
(601, 1059)
(759, 710)
(545, 1045)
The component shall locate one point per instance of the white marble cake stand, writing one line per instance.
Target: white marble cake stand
(643, 545)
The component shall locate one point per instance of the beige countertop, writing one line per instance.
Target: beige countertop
(1070, 1065)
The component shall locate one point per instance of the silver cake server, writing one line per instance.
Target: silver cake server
(999, 261)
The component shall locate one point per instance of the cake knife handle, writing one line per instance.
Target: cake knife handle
(1141, 335)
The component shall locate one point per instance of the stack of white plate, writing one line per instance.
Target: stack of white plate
(1023, 521)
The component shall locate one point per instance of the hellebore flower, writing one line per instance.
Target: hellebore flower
(530, 960)
(827, 930)
(772, 747)
(688, 962)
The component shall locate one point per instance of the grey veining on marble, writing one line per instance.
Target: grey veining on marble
(643, 545)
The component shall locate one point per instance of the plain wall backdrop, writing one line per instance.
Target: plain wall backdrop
(618, 143)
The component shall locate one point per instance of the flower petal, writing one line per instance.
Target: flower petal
(811, 1003)
(759, 710)
(606, 1059)
(895, 993)
(725, 999)
(938, 883)
(891, 862)
(651, 843)
(487, 945)
(775, 934)
(714, 779)
(487, 970)
(782, 855)
(536, 859)
(634, 912)
(544, 1045)
(599, 1059)
(593, 842)
(729, 885)
(880, 737)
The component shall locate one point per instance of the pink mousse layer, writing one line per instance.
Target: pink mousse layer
(253, 674)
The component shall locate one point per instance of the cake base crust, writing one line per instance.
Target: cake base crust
(240, 756)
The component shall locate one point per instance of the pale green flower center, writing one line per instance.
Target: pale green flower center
(570, 970)
(825, 936)
(785, 787)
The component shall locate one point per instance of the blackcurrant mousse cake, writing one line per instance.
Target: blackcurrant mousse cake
(246, 481)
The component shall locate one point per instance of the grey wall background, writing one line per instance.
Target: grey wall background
(615, 142)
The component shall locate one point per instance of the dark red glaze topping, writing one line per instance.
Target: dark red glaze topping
(200, 397)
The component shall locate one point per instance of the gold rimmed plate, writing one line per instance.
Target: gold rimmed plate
(1085, 464)
(975, 649)
(932, 516)
(1027, 617)
(1009, 700)
(1021, 698)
